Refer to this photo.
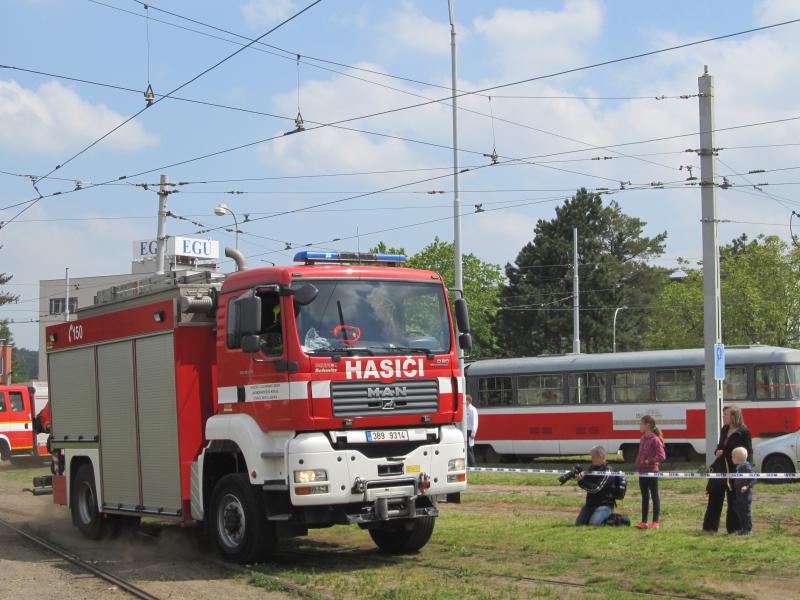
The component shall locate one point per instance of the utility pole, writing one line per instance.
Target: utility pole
(576, 301)
(66, 294)
(712, 312)
(161, 240)
(459, 277)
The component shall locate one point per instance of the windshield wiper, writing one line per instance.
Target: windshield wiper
(349, 350)
(409, 350)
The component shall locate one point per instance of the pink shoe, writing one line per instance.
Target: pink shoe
(644, 525)
(655, 526)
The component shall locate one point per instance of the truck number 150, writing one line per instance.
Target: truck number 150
(75, 333)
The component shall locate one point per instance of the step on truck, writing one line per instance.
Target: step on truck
(263, 403)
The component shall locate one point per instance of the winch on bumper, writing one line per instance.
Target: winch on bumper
(376, 480)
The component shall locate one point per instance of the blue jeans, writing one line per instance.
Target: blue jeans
(591, 515)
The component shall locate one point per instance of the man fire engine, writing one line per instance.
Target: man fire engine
(263, 403)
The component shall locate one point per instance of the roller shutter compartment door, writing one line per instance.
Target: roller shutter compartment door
(158, 428)
(118, 451)
(73, 395)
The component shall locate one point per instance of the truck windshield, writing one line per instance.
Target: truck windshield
(375, 317)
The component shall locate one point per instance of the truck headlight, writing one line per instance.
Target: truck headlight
(455, 464)
(311, 475)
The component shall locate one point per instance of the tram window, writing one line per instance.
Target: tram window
(734, 387)
(587, 388)
(540, 389)
(631, 386)
(772, 382)
(675, 385)
(495, 391)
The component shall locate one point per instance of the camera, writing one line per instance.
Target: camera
(562, 479)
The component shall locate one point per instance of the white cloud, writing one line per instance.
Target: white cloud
(768, 12)
(409, 29)
(261, 13)
(54, 118)
(539, 41)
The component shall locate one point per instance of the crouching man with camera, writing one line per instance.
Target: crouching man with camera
(601, 490)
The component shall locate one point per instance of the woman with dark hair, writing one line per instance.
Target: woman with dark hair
(734, 433)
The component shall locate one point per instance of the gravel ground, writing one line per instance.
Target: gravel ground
(164, 559)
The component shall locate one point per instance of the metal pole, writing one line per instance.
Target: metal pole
(614, 328)
(66, 294)
(459, 277)
(236, 224)
(161, 239)
(576, 303)
(712, 313)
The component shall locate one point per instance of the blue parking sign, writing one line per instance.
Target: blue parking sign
(719, 362)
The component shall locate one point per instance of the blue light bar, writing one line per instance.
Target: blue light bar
(348, 257)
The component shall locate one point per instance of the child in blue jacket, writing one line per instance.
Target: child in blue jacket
(744, 490)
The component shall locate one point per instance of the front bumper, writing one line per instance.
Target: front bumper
(376, 488)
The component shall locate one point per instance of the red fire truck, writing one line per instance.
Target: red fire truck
(18, 428)
(263, 403)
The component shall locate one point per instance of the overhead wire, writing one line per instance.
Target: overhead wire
(159, 99)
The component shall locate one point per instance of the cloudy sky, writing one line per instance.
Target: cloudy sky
(358, 58)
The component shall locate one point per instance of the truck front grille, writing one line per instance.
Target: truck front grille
(362, 399)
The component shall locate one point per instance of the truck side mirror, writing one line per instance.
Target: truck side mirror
(465, 341)
(305, 294)
(249, 317)
(462, 315)
(251, 343)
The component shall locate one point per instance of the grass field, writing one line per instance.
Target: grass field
(513, 531)
(513, 537)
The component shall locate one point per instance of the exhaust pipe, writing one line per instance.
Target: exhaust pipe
(238, 257)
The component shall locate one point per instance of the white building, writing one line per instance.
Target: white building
(183, 254)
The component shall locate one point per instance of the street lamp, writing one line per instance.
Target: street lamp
(614, 328)
(220, 211)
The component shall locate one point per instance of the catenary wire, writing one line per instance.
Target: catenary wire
(159, 99)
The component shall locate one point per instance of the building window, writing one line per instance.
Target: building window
(631, 386)
(57, 306)
(495, 391)
(675, 385)
(540, 389)
(587, 388)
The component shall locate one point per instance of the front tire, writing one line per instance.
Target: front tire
(85, 513)
(238, 519)
(778, 463)
(403, 536)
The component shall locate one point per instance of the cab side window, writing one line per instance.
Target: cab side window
(2, 402)
(271, 335)
(15, 398)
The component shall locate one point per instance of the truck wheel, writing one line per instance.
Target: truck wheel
(238, 519)
(85, 513)
(777, 463)
(403, 537)
(629, 452)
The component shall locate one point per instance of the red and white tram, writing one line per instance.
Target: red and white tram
(564, 405)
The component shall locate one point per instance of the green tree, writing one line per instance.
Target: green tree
(18, 370)
(760, 290)
(536, 306)
(481, 290)
(383, 248)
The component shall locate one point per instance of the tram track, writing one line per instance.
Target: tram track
(122, 584)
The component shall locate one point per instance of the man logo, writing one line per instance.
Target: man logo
(389, 404)
(399, 391)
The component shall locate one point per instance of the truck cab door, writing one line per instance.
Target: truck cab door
(253, 373)
(20, 412)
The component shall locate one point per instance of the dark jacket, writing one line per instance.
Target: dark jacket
(742, 437)
(739, 483)
(599, 490)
